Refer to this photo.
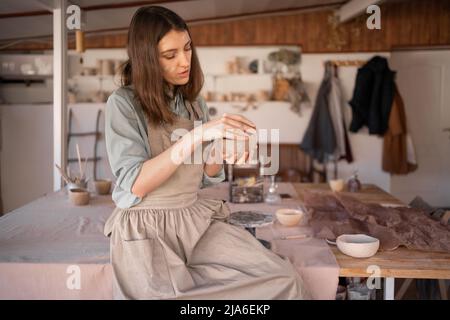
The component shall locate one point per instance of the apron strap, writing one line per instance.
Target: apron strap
(194, 109)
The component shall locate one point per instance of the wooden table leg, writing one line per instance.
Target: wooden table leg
(403, 288)
(443, 289)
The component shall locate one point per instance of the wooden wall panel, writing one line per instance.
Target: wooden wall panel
(411, 23)
(404, 24)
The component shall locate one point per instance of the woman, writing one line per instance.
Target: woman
(166, 242)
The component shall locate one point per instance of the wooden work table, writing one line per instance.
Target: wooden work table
(399, 263)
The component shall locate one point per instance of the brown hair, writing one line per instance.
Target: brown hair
(148, 26)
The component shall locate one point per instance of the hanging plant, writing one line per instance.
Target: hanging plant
(285, 56)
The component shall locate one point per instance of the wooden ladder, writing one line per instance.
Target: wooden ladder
(96, 135)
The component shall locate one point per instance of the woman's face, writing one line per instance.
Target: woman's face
(175, 56)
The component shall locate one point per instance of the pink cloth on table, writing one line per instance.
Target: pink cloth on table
(312, 257)
(55, 281)
(41, 241)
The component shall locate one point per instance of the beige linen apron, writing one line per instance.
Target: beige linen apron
(176, 245)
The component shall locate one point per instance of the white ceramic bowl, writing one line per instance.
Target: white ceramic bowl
(290, 217)
(358, 245)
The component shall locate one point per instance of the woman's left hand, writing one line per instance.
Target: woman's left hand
(232, 151)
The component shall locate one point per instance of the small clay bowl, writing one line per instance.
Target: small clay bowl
(290, 217)
(336, 185)
(79, 197)
(102, 186)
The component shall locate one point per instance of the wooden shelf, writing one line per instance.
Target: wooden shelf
(26, 76)
(92, 76)
(245, 102)
(225, 75)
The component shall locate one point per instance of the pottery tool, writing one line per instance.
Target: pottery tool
(84, 168)
(79, 160)
(67, 179)
(68, 173)
(297, 236)
(302, 207)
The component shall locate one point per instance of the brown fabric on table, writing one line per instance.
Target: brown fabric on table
(336, 214)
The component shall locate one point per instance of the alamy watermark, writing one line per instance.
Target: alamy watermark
(374, 280)
(229, 150)
(73, 281)
(73, 21)
(374, 20)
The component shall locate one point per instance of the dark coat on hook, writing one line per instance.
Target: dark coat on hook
(372, 97)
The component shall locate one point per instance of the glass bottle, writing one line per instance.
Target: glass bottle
(272, 196)
(353, 184)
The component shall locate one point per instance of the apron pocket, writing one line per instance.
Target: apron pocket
(145, 270)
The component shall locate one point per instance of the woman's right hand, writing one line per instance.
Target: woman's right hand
(229, 126)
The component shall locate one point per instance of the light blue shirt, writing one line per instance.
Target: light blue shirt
(127, 142)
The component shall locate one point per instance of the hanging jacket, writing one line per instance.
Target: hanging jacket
(336, 105)
(372, 97)
(319, 140)
(397, 149)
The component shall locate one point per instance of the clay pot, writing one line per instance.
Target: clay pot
(107, 67)
(337, 185)
(231, 67)
(263, 95)
(79, 197)
(102, 186)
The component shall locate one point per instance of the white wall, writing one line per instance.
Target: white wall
(423, 80)
(26, 154)
(27, 149)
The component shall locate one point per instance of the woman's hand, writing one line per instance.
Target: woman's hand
(233, 151)
(231, 134)
(229, 126)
